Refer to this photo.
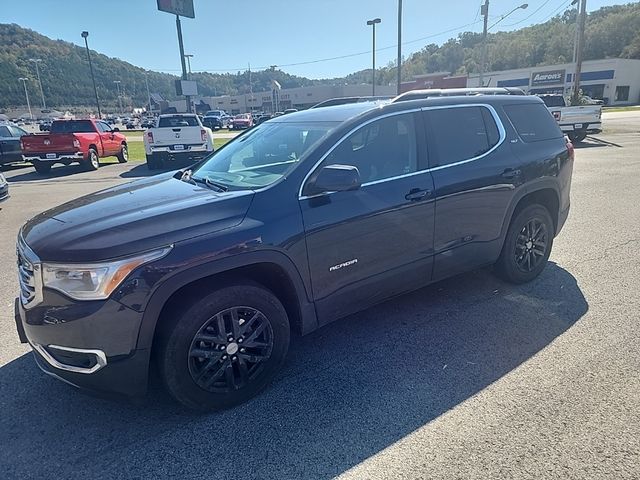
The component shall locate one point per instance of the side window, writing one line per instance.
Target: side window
(103, 127)
(381, 149)
(4, 131)
(533, 122)
(461, 133)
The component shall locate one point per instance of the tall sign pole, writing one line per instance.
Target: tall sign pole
(399, 45)
(182, 60)
(576, 81)
(484, 11)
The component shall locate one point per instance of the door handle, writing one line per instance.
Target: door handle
(415, 194)
(511, 173)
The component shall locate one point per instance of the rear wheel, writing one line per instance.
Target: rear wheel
(577, 137)
(153, 162)
(223, 349)
(527, 246)
(123, 156)
(42, 167)
(93, 161)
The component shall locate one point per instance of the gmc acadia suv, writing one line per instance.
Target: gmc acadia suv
(304, 219)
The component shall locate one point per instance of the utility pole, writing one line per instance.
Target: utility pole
(26, 94)
(146, 81)
(85, 34)
(399, 45)
(250, 88)
(37, 61)
(484, 11)
(576, 80)
(182, 58)
(117, 82)
(373, 23)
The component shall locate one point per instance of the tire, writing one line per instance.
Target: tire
(123, 156)
(153, 163)
(93, 161)
(527, 245)
(577, 137)
(42, 167)
(215, 380)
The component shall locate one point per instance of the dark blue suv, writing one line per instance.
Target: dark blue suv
(304, 219)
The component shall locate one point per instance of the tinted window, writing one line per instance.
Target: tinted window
(533, 122)
(382, 149)
(553, 100)
(462, 133)
(4, 131)
(178, 121)
(72, 126)
(17, 132)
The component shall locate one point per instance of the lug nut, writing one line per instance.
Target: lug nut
(231, 339)
(224, 357)
(242, 350)
(234, 359)
(221, 347)
(240, 340)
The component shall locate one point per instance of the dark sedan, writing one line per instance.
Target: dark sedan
(10, 150)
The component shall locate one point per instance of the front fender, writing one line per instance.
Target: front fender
(170, 285)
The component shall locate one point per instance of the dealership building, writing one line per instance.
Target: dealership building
(282, 99)
(615, 80)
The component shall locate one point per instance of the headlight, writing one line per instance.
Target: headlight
(95, 281)
(3, 181)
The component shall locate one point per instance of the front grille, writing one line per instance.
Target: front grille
(28, 272)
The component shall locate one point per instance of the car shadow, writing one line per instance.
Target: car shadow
(142, 170)
(595, 142)
(347, 392)
(57, 171)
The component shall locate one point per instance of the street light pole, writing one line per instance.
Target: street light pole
(576, 78)
(36, 61)
(146, 81)
(484, 11)
(85, 34)
(399, 45)
(26, 94)
(117, 82)
(373, 70)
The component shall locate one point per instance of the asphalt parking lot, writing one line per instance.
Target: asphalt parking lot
(468, 378)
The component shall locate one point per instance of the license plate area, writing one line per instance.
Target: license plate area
(178, 147)
(51, 155)
(577, 126)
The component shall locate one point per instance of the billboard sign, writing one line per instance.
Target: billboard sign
(550, 77)
(184, 8)
(186, 87)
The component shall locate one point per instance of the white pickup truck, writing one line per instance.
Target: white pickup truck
(178, 136)
(576, 122)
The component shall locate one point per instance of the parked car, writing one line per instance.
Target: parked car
(214, 122)
(10, 148)
(575, 121)
(263, 118)
(4, 188)
(44, 126)
(241, 121)
(131, 124)
(587, 100)
(290, 110)
(311, 217)
(74, 141)
(177, 137)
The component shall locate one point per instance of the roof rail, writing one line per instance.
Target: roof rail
(348, 100)
(450, 92)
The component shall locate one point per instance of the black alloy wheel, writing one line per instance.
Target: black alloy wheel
(531, 245)
(230, 349)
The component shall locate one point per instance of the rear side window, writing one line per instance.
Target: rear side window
(553, 101)
(533, 122)
(178, 121)
(72, 126)
(4, 131)
(462, 133)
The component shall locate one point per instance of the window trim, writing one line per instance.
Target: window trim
(501, 131)
(313, 169)
(492, 111)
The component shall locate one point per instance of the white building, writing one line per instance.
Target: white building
(279, 100)
(614, 80)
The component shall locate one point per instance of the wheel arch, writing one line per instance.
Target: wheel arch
(272, 270)
(544, 192)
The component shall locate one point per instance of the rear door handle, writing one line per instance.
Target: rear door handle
(415, 194)
(511, 173)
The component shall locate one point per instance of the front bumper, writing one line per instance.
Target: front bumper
(4, 191)
(90, 345)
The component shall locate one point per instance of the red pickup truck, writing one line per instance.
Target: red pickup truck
(70, 141)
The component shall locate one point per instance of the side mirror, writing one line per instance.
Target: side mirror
(115, 129)
(335, 178)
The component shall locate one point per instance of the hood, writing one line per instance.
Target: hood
(131, 218)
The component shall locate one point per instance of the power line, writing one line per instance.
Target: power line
(529, 16)
(350, 55)
(562, 5)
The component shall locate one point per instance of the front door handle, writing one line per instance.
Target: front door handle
(511, 173)
(415, 194)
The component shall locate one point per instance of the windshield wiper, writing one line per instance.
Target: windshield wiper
(209, 183)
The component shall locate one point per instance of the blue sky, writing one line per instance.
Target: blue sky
(226, 35)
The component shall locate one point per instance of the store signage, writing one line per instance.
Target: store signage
(551, 77)
(183, 8)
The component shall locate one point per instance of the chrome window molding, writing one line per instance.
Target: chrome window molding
(501, 130)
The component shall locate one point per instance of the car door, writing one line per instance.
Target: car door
(375, 242)
(475, 176)
(109, 143)
(10, 150)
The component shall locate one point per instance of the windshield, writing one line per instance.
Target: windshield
(263, 155)
(72, 126)
(178, 121)
(553, 101)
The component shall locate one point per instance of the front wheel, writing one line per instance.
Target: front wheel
(223, 349)
(527, 246)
